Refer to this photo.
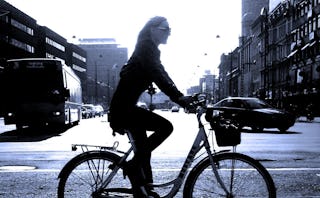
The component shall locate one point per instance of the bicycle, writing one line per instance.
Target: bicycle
(99, 172)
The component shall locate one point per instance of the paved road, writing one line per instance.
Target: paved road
(292, 158)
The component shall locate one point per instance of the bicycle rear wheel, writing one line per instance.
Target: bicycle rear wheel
(242, 176)
(84, 175)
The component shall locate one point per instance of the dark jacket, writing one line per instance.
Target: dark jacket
(143, 68)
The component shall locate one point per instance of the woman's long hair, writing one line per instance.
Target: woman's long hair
(145, 33)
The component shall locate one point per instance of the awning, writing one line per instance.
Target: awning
(304, 47)
(292, 53)
(312, 44)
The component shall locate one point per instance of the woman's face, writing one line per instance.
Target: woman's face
(161, 33)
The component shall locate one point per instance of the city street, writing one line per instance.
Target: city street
(30, 161)
(90, 59)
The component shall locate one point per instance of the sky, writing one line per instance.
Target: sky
(201, 30)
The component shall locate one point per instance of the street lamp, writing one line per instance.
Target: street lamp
(96, 80)
(111, 83)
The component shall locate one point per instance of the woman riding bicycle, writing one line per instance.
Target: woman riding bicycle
(144, 68)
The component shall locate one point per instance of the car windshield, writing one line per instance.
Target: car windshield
(256, 104)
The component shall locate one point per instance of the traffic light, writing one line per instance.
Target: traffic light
(151, 90)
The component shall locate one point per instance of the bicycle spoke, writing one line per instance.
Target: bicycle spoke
(241, 180)
(222, 174)
(94, 170)
(86, 177)
(233, 161)
(242, 176)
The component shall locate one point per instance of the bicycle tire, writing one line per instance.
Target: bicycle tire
(248, 178)
(82, 176)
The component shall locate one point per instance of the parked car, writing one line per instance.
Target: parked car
(175, 109)
(142, 105)
(84, 113)
(252, 112)
(98, 110)
(87, 111)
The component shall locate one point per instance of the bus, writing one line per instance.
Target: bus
(40, 92)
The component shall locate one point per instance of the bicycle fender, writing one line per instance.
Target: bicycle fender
(70, 164)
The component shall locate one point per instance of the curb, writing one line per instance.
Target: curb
(304, 119)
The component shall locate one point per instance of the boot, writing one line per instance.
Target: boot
(137, 179)
(149, 180)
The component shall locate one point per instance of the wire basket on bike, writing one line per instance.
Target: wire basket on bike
(226, 131)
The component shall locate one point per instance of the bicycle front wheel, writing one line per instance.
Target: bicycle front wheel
(241, 175)
(84, 175)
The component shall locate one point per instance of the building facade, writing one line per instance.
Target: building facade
(207, 84)
(105, 59)
(279, 61)
(250, 11)
(22, 37)
(229, 80)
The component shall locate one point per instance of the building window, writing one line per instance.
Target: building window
(310, 26)
(55, 44)
(314, 24)
(307, 8)
(78, 68)
(22, 27)
(22, 45)
(77, 56)
(294, 35)
(4, 17)
(301, 32)
(282, 31)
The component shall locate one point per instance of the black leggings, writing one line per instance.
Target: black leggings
(139, 122)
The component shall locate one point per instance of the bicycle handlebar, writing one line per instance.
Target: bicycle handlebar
(199, 103)
(198, 100)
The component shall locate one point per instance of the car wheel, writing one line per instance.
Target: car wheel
(283, 129)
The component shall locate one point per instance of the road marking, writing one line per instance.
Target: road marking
(269, 169)
(293, 169)
(17, 168)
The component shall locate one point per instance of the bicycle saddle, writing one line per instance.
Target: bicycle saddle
(121, 131)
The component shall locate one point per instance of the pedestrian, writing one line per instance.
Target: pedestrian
(142, 69)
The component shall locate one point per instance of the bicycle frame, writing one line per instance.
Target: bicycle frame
(201, 141)
(105, 165)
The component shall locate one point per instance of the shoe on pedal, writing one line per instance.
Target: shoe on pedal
(137, 179)
(152, 194)
(142, 192)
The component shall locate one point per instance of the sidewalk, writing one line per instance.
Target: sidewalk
(304, 119)
(4, 128)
